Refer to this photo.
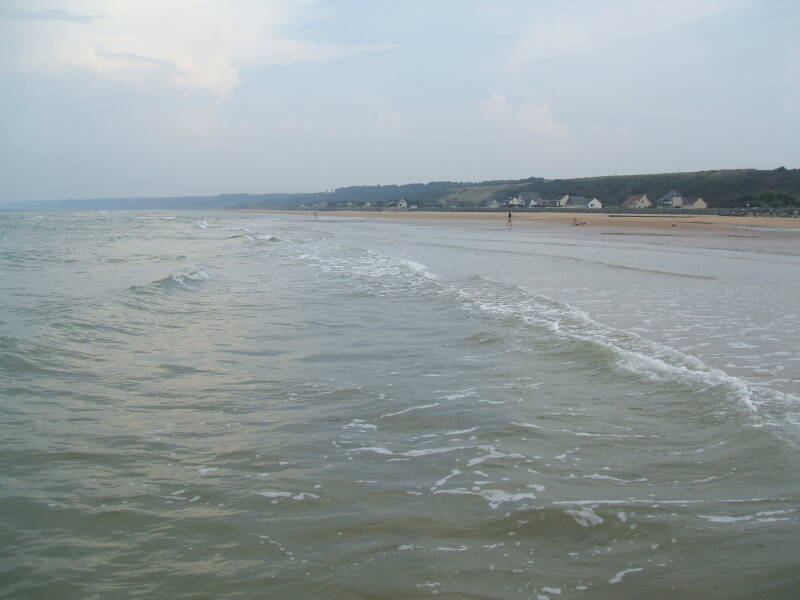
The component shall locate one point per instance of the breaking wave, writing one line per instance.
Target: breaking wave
(624, 350)
(188, 279)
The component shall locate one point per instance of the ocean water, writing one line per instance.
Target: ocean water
(268, 406)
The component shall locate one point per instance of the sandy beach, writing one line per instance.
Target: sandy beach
(608, 222)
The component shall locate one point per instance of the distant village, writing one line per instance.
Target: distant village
(671, 200)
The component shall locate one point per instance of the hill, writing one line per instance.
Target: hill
(731, 188)
(720, 189)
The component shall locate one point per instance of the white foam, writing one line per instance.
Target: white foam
(529, 425)
(359, 424)
(634, 353)
(725, 519)
(443, 480)
(375, 449)
(190, 275)
(491, 453)
(585, 517)
(408, 410)
(418, 268)
(428, 451)
(462, 431)
(616, 479)
(274, 495)
(468, 393)
(494, 497)
(618, 577)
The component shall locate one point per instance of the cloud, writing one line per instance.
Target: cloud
(525, 118)
(200, 45)
(581, 34)
(52, 14)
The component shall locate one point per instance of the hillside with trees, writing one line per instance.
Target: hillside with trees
(722, 189)
(734, 188)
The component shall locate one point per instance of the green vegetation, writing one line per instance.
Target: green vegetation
(720, 189)
(735, 188)
(765, 200)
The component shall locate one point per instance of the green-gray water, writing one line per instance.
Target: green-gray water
(255, 406)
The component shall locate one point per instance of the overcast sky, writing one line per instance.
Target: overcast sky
(102, 98)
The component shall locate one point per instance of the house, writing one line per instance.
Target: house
(694, 203)
(672, 199)
(549, 203)
(523, 199)
(534, 200)
(570, 201)
(530, 199)
(637, 201)
(491, 204)
(402, 203)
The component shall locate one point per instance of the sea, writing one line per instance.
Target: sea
(260, 405)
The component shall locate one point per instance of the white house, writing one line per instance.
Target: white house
(402, 203)
(637, 201)
(525, 199)
(570, 201)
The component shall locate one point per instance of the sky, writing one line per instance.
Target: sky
(113, 98)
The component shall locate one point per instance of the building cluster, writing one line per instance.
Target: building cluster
(672, 199)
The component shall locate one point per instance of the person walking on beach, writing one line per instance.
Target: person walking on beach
(508, 222)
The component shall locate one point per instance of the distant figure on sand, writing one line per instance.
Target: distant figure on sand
(508, 222)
